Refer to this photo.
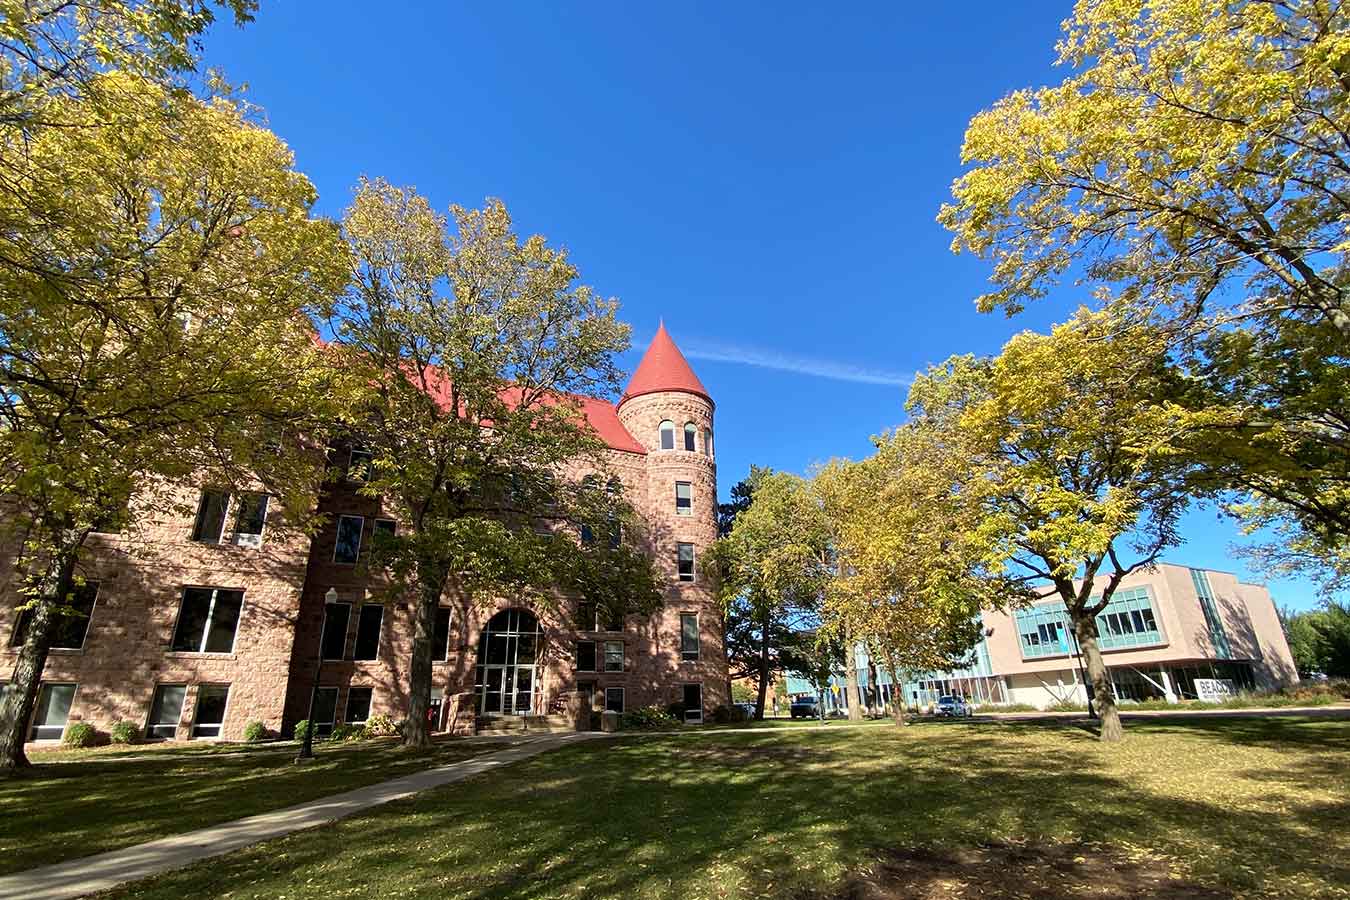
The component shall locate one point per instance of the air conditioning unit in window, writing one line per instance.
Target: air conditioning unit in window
(253, 541)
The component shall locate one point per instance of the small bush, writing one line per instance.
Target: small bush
(381, 726)
(348, 733)
(676, 710)
(80, 734)
(648, 718)
(301, 728)
(721, 715)
(255, 732)
(124, 732)
(1067, 706)
(1005, 708)
(735, 715)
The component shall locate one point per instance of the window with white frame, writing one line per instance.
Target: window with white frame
(440, 641)
(667, 435)
(72, 622)
(613, 656)
(689, 637)
(212, 700)
(209, 526)
(166, 711)
(685, 561)
(208, 619)
(585, 655)
(336, 617)
(359, 464)
(53, 710)
(347, 546)
(614, 699)
(323, 715)
(358, 705)
(250, 518)
(690, 436)
(368, 624)
(684, 498)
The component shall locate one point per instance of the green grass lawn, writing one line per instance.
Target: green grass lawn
(80, 802)
(1183, 809)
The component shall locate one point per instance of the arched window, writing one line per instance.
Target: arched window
(707, 443)
(667, 435)
(690, 432)
(507, 652)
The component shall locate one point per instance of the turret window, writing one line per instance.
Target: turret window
(690, 434)
(685, 561)
(684, 498)
(667, 435)
(707, 442)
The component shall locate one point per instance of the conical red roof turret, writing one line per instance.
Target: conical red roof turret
(664, 368)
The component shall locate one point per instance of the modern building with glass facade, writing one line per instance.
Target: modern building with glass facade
(1171, 633)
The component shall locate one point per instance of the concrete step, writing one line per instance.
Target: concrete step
(523, 724)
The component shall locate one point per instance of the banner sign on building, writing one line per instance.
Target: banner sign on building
(1214, 690)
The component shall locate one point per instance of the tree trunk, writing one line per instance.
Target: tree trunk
(897, 696)
(855, 713)
(873, 685)
(19, 700)
(431, 579)
(763, 668)
(1085, 628)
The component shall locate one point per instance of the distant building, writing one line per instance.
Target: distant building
(1173, 633)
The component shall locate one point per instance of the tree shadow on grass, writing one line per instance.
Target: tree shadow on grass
(736, 815)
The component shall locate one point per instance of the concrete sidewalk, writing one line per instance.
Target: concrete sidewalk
(90, 874)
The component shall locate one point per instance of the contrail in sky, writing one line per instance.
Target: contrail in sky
(802, 365)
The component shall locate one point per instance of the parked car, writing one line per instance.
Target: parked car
(804, 708)
(952, 706)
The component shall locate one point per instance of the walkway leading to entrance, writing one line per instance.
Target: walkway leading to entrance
(89, 874)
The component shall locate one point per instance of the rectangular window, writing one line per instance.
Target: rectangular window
(368, 632)
(210, 524)
(614, 699)
(684, 498)
(689, 433)
(613, 656)
(335, 619)
(588, 616)
(211, 702)
(53, 709)
(208, 620)
(166, 710)
(685, 561)
(358, 705)
(613, 619)
(585, 656)
(689, 636)
(324, 713)
(587, 534)
(250, 516)
(440, 640)
(347, 547)
(69, 629)
(693, 703)
(359, 464)
(385, 528)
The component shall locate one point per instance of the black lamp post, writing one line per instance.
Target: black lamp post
(307, 743)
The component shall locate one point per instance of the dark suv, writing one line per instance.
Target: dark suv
(804, 708)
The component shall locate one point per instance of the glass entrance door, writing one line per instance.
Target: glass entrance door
(507, 653)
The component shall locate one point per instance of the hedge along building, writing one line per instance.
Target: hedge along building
(198, 625)
(1172, 633)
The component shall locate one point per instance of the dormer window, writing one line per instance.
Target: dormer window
(690, 434)
(667, 435)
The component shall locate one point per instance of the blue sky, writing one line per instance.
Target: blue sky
(763, 176)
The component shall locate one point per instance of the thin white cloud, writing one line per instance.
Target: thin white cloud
(801, 365)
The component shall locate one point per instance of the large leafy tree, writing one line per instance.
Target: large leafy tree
(1195, 164)
(156, 298)
(913, 567)
(1068, 445)
(475, 349)
(1319, 640)
(774, 565)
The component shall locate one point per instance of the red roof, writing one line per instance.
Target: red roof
(664, 368)
(600, 414)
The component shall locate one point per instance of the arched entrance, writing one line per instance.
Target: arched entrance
(506, 679)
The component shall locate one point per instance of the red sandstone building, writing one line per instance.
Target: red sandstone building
(198, 625)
